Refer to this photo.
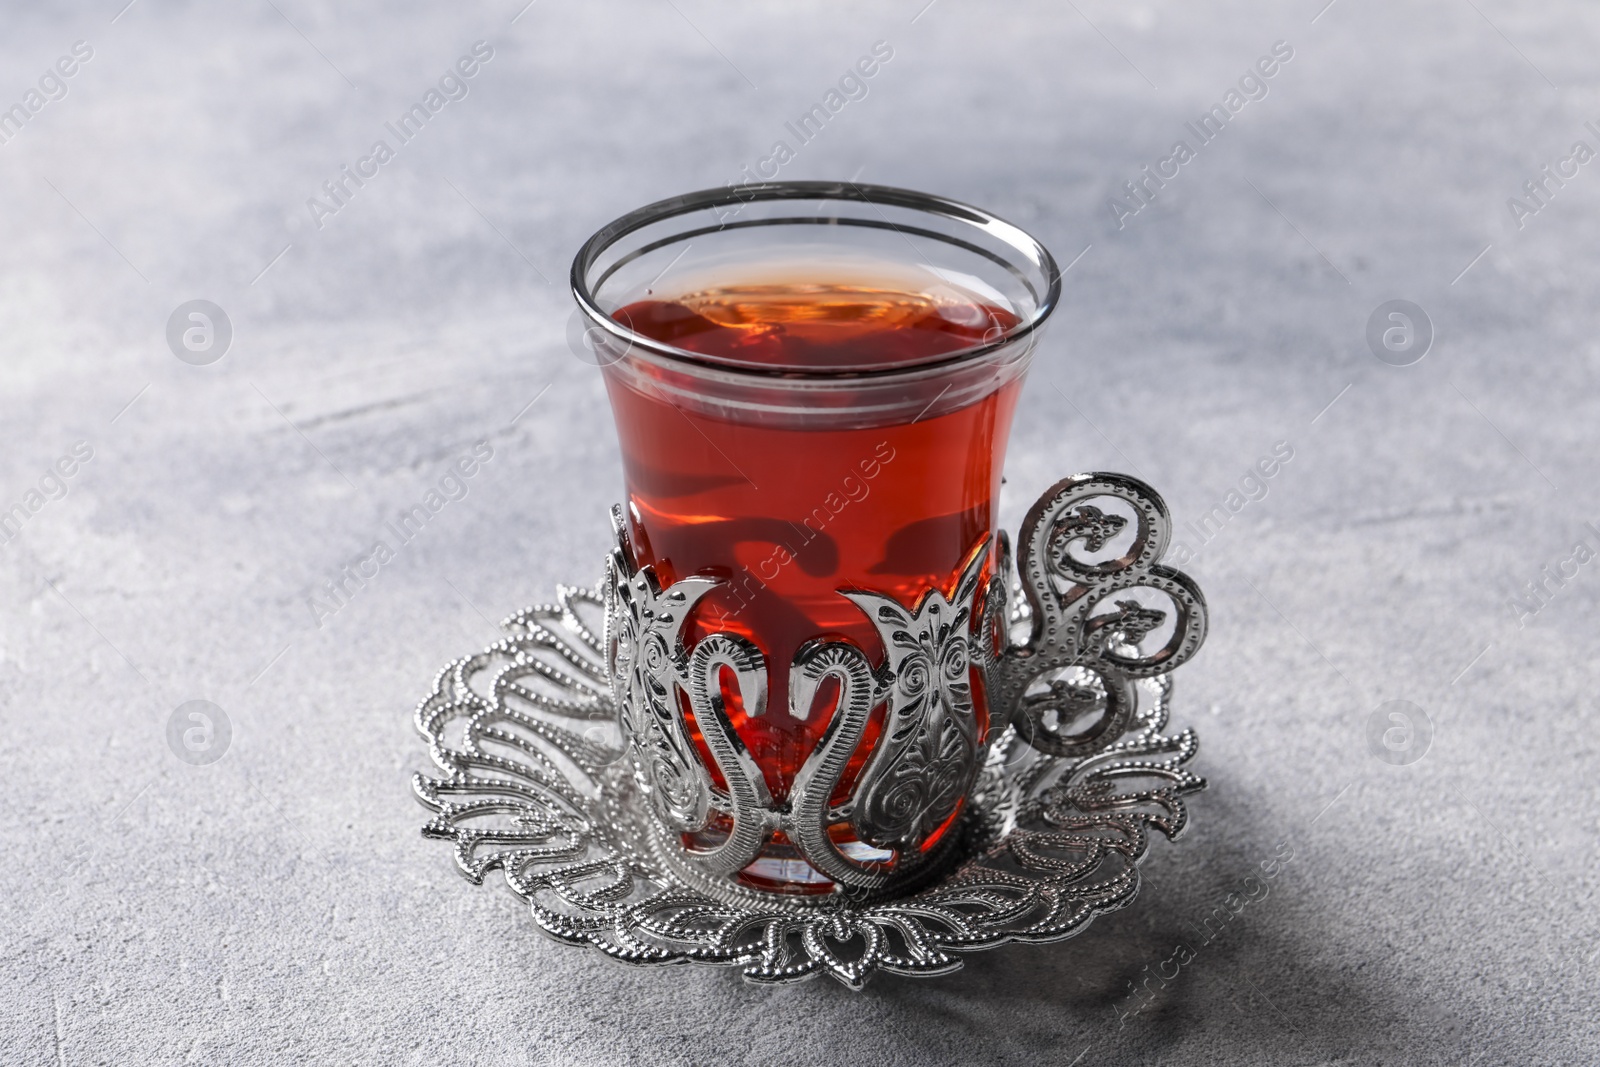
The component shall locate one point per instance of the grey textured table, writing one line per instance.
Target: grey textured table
(279, 905)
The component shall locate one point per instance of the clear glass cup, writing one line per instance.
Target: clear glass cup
(794, 473)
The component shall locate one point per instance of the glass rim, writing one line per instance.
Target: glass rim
(1008, 233)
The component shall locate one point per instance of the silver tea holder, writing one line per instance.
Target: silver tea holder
(568, 764)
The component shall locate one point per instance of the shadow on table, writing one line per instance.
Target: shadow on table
(1255, 992)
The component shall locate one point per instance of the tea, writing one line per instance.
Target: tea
(789, 515)
(819, 326)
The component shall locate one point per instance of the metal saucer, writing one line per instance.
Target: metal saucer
(533, 784)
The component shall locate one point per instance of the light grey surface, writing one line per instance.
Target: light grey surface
(279, 905)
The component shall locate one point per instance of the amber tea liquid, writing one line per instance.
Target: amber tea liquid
(788, 512)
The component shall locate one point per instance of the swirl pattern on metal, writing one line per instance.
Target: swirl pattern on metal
(1088, 576)
(536, 785)
(572, 768)
(924, 765)
(911, 786)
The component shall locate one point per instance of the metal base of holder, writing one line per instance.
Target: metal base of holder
(536, 785)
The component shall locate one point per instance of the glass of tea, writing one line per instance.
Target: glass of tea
(813, 384)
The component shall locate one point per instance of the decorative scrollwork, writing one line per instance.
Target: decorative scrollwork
(1079, 656)
(533, 787)
(644, 660)
(1106, 699)
(912, 784)
(638, 856)
(1089, 551)
(930, 750)
(813, 812)
(748, 802)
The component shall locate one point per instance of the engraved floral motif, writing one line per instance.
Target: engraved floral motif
(925, 761)
(1085, 523)
(642, 654)
(1067, 595)
(532, 734)
(524, 733)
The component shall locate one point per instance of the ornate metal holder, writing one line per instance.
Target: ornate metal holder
(570, 764)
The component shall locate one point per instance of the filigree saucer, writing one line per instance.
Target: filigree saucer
(536, 786)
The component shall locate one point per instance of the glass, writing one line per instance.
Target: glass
(813, 384)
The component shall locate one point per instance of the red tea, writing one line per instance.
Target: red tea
(790, 511)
